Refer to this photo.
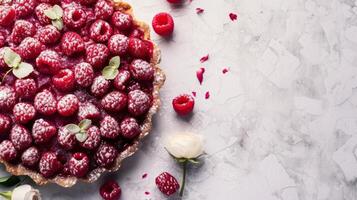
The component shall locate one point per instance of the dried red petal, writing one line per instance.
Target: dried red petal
(207, 95)
(194, 94)
(199, 10)
(199, 74)
(225, 70)
(144, 175)
(233, 16)
(147, 193)
(204, 58)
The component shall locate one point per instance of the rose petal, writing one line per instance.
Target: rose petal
(199, 74)
(233, 16)
(225, 70)
(207, 95)
(199, 10)
(204, 58)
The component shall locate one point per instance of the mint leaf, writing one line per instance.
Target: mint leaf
(85, 124)
(23, 70)
(50, 13)
(11, 58)
(58, 23)
(9, 181)
(58, 11)
(115, 61)
(110, 72)
(81, 137)
(7, 195)
(73, 128)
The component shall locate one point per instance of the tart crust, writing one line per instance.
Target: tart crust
(130, 149)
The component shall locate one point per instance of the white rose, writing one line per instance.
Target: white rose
(185, 145)
(25, 192)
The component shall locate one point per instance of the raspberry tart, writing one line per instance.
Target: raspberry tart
(79, 85)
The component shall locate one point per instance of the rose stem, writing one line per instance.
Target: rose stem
(183, 178)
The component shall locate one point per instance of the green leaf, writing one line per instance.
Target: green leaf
(81, 137)
(73, 128)
(9, 181)
(7, 195)
(110, 72)
(11, 58)
(181, 160)
(194, 161)
(58, 11)
(50, 13)
(85, 124)
(23, 70)
(115, 61)
(58, 23)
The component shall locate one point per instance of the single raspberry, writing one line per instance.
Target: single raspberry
(5, 124)
(100, 31)
(167, 184)
(110, 190)
(163, 24)
(87, 2)
(142, 70)
(7, 98)
(138, 48)
(29, 48)
(20, 137)
(3, 65)
(93, 139)
(183, 104)
(106, 155)
(84, 74)
(114, 101)
(64, 80)
(52, 2)
(72, 44)
(30, 157)
(74, 17)
(100, 86)
(2, 40)
(103, 9)
(48, 62)
(24, 7)
(122, 21)
(88, 111)
(122, 79)
(97, 55)
(68, 105)
(129, 128)
(109, 127)
(118, 44)
(7, 151)
(138, 102)
(43, 131)
(21, 30)
(7, 15)
(25, 88)
(137, 33)
(23, 112)
(45, 103)
(48, 34)
(79, 164)
(40, 13)
(66, 139)
(49, 164)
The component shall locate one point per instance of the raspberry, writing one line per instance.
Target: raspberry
(79, 164)
(45, 103)
(52, 2)
(48, 62)
(110, 190)
(40, 13)
(23, 112)
(138, 102)
(49, 164)
(100, 86)
(7, 98)
(93, 138)
(163, 24)
(183, 104)
(24, 7)
(20, 137)
(129, 128)
(25, 88)
(122, 21)
(122, 79)
(30, 157)
(103, 9)
(48, 34)
(43, 131)
(114, 101)
(21, 30)
(5, 124)
(66, 139)
(106, 155)
(7, 151)
(138, 48)
(64, 80)
(29, 48)
(7, 15)
(72, 44)
(74, 17)
(109, 127)
(174, 1)
(84, 74)
(88, 111)
(97, 55)
(68, 105)
(118, 44)
(142, 70)
(2, 41)
(87, 2)
(137, 33)
(167, 184)
(100, 31)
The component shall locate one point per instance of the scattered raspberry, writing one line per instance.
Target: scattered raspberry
(24, 7)
(207, 95)
(5, 124)
(29, 48)
(93, 139)
(7, 151)
(79, 164)
(138, 102)
(66, 139)
(129, 128)
(103, 9)
(122, 21)
(40, 13)
(110, 190)
(163, 24)
(45, 103)
(138, 48)
(7, 98)
(21, 30)
(30, 157)
(114, 101)
(48, 62)
(199, 10)
(109, 127)
(7, 15)
(100, 86)
(49, 164)
(167, 184)
(72, 44)
(106, 155)
(199, 74)
(97, 55)
(225, 70)
(68, 105)
(64, 80)
(183, 104)
(142, 70)
(74, 17)
(48, 34)
(204, 58)
(118, 44)
(233, 16)
(88, 111)
(84, 74)
(122, 79)
(20, 137)
(100, 31)
(43, 131)
(23, 112)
